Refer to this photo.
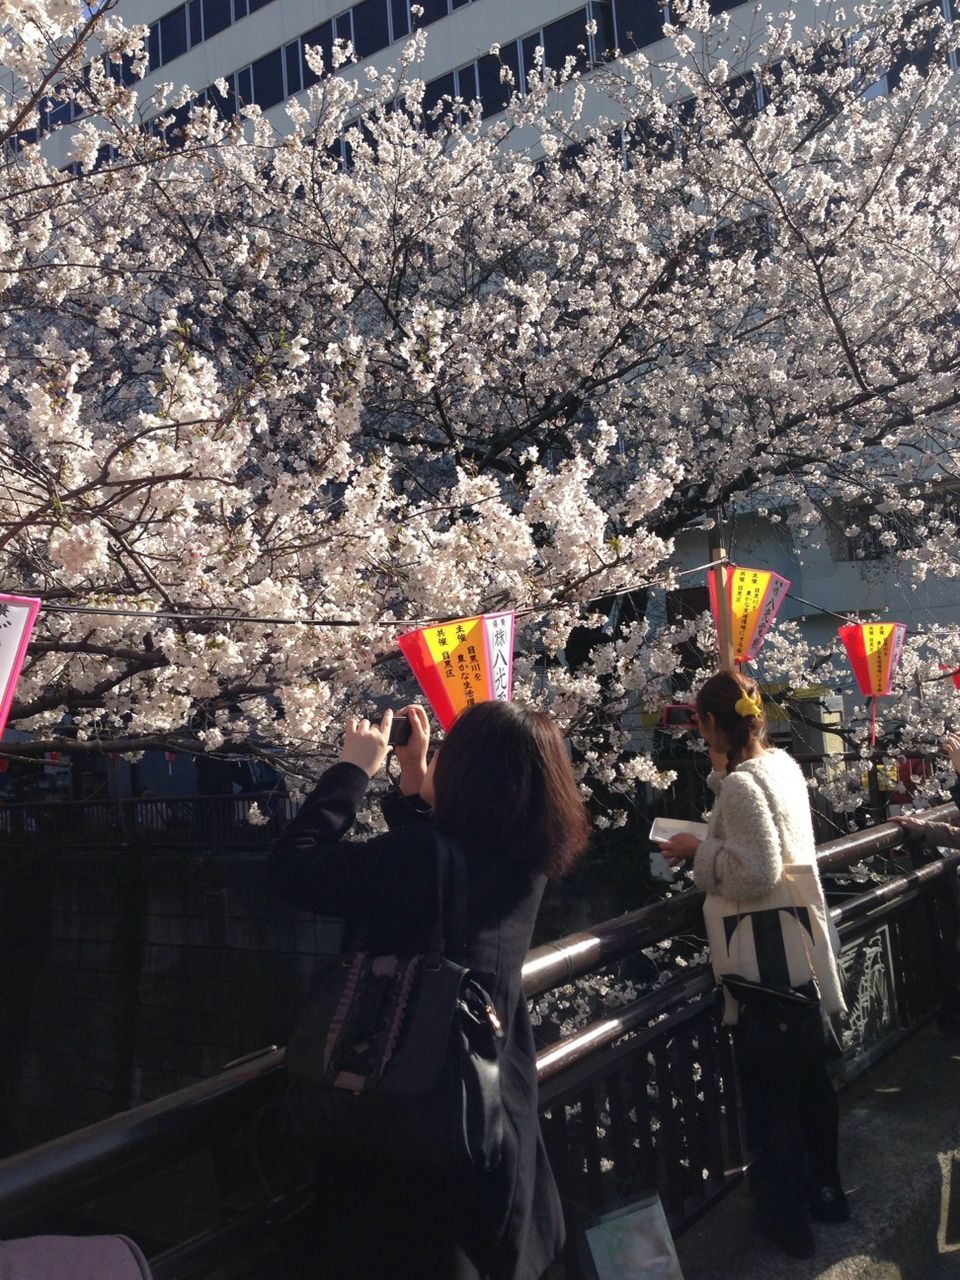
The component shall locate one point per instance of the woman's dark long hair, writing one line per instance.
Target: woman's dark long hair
(504, 784)
(718, 697)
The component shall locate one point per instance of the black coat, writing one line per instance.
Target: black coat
(509, 1226)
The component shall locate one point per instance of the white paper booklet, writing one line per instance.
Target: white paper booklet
(664, 828)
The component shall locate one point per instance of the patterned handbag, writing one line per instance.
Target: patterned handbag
(398, 1058)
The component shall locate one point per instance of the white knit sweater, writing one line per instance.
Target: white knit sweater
(761, 819)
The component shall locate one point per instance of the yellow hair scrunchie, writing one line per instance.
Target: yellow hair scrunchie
(747, 707)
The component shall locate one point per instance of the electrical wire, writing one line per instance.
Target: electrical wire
(393, 624)
(396, 623)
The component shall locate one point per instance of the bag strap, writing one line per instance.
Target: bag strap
(449, 936)
(764, 791)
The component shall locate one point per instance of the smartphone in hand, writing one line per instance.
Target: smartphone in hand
(399, 731)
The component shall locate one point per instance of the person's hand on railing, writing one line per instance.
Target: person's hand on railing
(914, 835)
(908, 822)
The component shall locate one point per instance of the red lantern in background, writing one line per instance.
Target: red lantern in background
(4, 764)
(874, 650)
(53, 757)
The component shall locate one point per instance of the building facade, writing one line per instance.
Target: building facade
(258, 47)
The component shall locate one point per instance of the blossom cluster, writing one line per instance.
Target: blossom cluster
(476, 367)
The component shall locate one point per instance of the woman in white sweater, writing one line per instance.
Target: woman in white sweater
(759, 845)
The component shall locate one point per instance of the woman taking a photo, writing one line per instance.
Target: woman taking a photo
(501, 786)
(759, 845)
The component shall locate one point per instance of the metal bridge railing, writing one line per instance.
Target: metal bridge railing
(640, 1101)
(207, 822)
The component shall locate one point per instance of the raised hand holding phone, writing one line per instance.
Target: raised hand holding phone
(412, 754)
(365, 744)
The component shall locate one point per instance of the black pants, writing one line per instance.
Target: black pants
(791, 1119)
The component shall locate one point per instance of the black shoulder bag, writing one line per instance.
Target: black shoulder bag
(783, 1025)
(397, 1059)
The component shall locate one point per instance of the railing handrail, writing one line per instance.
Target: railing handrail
(112, 801)
(36, 1182)
(39, 1181)
(574, 954)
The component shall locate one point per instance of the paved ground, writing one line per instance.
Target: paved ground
(947, 1267)
(900, 1155)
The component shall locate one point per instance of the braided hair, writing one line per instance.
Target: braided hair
(733, 700)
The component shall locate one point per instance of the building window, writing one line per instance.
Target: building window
(467, 88)
(399, 18)
(638, 23)
(244, 87)
(740, 95)
(923, 52)
(216, 17)
(434, 93)
(173, 34)
(268, 80)
(225, 103)
(601, 11)
(195, 13)
(343, 26)
(494, 94)
(371, 25)
(153, 48)
(293, 59)
(566, 38)
(319, 38)
(433, 11)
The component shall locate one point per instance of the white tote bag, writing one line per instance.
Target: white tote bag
(634, 1243)
(777, 939)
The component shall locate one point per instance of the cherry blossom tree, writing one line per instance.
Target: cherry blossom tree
(382, 366)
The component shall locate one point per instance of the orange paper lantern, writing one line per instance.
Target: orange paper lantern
(755, 599)
(462, 662)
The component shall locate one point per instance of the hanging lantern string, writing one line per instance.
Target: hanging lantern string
(524, 611)
(197, 616)
(843, 617)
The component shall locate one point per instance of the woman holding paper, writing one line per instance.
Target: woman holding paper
(767, 921)
(502, 787)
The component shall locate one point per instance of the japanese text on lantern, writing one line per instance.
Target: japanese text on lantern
(474, 655)
(755, 597)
